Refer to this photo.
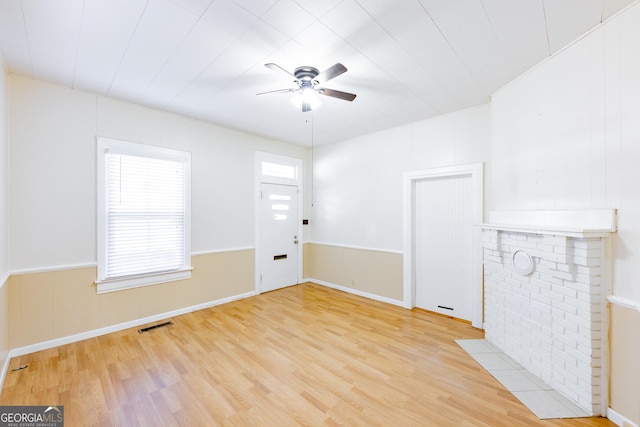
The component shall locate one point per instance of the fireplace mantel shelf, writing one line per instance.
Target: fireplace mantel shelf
(575, 232)
(569, 223)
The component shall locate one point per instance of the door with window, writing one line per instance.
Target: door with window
(279, 236)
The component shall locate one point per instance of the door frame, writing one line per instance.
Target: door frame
(409, 180)
(263, 179)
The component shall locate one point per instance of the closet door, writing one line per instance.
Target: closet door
(444, 227)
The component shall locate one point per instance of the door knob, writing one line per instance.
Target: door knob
(295, 240)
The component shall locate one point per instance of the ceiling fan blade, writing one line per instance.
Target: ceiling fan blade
(331, 72)
(279, 69)
(278, 91)
(337, 94)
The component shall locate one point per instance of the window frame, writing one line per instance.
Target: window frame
(112, 284)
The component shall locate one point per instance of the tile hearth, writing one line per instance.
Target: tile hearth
(539, 397)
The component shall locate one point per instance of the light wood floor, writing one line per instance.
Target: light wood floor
(304, 355)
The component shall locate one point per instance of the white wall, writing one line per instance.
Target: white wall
(358, 183)
(4, 224)
(52, 196)
(567, 136)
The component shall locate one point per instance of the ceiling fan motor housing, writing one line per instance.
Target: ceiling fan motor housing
(306, 73)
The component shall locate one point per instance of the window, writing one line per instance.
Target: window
(143, 215)
(279, 170)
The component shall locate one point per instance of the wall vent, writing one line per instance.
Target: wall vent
(151, 328)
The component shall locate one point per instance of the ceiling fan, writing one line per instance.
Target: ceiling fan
(310, 83)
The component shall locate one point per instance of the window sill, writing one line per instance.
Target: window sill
(114, 285)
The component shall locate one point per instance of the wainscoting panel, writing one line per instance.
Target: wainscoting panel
(365, 270)
(49, 305)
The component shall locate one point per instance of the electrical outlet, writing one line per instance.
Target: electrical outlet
(353, 282)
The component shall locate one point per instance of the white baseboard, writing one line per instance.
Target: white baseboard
(356, 292)
(120, 326)
(5, 368)
(619, 419)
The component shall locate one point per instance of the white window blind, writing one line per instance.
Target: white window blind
(145, 216)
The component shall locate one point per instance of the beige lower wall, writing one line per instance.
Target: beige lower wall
(57, 304)
(50, 305)
(370, 271)
(624, 394)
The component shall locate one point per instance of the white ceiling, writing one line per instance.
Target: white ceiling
(408, 59)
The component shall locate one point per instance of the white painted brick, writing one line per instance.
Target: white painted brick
(560, 250)
(561, 305)
(493, 258)
(583, 322)
(518, 236)
(564, 291)
(562, 275)
(587, 252)
(508, 242)
(557, 313)
(544, 300)
(558, 329)
(564, 267)
(490, 269)
(541, 284)
(544, 247)
(544, 320)
(526, 244)
(596, 327)
(575, 336)
(560, 341)
(585, 296)
(545, 263)
(581, 269)
(556, 257)
(589, 280)
(574, 354)
(585, 307)
(595, 314)
(589, 351)
(584, 389)
(571, 391)
(550, 279)
(582, 372)
(580, 287)
(554, 240)
(493, 246)
(587, 243)
(586, 261)
(490, 241)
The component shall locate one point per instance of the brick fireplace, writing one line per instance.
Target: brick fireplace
(545, 286)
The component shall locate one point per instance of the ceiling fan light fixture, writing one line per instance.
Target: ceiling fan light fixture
(306, 99)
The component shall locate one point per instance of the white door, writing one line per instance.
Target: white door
(279, 239)
(444, 227)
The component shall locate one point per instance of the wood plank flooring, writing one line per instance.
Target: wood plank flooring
(304, 355)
